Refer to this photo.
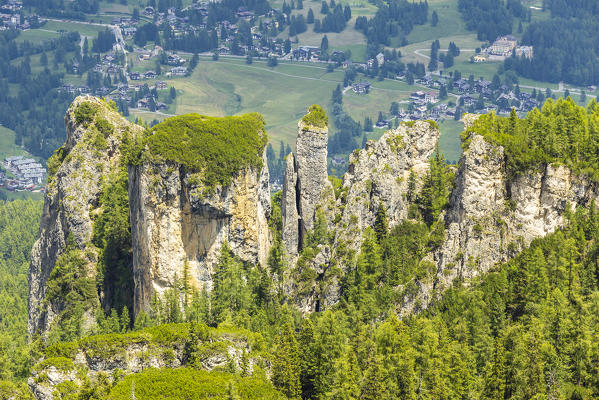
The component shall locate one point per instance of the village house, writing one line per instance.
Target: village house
(478, 58)
(161, 85)
(178, 71)
(361, 87)
(524, 51)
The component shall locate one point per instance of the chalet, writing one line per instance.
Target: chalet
(161, 85)
(149, 11)
(102, 91)
(134, 76)
(361, 87)
(524, 51)
(174, 59)
(150, 75)
(461, 85)
(338, 161)
(68, 88)
(129, 31)
(380, 59)
(305, 52)
(83, 89)
(179, 71)
(161, 106)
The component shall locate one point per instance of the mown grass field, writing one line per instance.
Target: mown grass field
(84, 29)
(282, 94)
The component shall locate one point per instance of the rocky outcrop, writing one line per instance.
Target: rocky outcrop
(107, 357)
(306, 185)
(381, 173)
(89, 154)
(491, 216)
(289, 207)
(178, 229)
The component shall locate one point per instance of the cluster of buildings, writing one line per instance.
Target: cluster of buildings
(10, 17)
(27, 174)
(503, 47)
(110, 65)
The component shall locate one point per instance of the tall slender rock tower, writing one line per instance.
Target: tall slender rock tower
(306, 179)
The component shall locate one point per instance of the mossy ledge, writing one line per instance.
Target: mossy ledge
(217, 148)
(316, 117)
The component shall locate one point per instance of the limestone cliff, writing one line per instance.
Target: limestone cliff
(492, 216)
(306, 181)
(77, 171)
(178, 230)
(381, 173)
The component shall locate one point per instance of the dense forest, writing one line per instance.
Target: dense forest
(393, 19)
(18, 228)
(35, 111)
(491, 18)
(565, 47)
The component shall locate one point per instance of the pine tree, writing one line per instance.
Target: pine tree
(495, 376)
(286, 367)
(381, 223)
(310, 17)
(324, 44)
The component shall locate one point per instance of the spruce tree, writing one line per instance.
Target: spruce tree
(286, 367)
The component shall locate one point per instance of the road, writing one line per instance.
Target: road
(118, 34)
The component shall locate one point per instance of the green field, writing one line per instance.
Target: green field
(449, 142)
(84, 29)
(282, 94)
(7, 144)
(37, 35)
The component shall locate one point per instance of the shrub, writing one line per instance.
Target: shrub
(316, 117)
(85, 113)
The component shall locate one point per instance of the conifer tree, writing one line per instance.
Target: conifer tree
(286, 366)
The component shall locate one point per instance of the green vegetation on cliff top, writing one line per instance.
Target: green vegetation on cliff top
(190, 384)
(316, 117)
(561, 132)
(216, 147)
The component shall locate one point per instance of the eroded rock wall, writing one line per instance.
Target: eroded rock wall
(71, 200)
(178, 229)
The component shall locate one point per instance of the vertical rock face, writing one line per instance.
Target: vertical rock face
(72, 198)
(312, 176)
(491, 216)
(305, 186)
(381, 173)
(178, 231)
(289, 207)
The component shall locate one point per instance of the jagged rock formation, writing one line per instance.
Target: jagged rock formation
(178, 231)
(492, 217)
(381, 173)
(306, 184)
(178, 221)
(89, 154)
(180, 218)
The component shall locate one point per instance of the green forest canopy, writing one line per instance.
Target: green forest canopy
(560, 132)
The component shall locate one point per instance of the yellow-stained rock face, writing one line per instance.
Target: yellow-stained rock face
(178, 229)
